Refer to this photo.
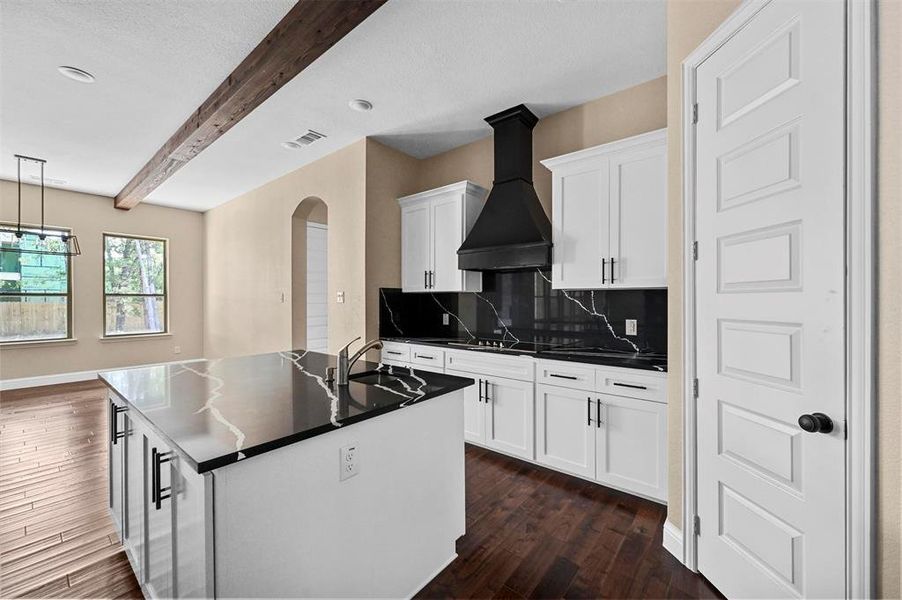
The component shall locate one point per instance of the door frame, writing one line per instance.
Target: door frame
(860, 239)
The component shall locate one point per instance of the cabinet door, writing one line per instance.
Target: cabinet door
(509, 406)
(158, 524)
(580, 225)
(565, 429)
(115, 418)
(133, 526)
(474, 410)
(447, 236)
(631, 445)
(639, 218)
(190, 530)
(416, 246)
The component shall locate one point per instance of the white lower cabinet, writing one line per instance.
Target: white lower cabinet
(630, 451)
(159, 510)
(565, 430)
(509, 415)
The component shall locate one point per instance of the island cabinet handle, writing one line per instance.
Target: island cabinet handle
(115, 434)
(156, 491)
(630, 385)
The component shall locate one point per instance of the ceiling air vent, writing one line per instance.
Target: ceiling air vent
(304, 140)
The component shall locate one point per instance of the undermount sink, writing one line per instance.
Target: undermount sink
(374, 378)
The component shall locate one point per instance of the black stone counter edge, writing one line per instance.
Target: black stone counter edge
(624, 363)
(232, 457)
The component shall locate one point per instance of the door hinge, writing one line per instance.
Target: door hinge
(695, 387)
(695, 113)
(694, 250)
(697, 525)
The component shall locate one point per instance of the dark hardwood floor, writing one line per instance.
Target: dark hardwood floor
(531, 532)
(535, 533)
(56, 536)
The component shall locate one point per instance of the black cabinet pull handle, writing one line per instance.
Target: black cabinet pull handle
(480, 389)
(426, 279)
(598, 413)
(157, 491)
(631, 386)
(424, 356)
(589, 410)
(612, 269)
(559, 376)
(603, 264)
(115, 434)
(487, 399)
(394, 352)
(431, 279)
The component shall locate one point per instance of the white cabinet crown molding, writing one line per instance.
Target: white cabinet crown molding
(635, 142)
(465, 186)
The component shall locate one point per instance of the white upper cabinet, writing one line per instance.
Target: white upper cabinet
(609, 215)
(433, 226)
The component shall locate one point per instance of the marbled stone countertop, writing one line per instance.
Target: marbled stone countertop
(217, 412)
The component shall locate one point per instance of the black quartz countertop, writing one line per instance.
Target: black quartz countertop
(217, 412)
(548, 349)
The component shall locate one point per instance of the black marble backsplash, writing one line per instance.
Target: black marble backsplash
(522, 306)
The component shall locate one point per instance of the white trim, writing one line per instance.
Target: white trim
(636, 141)
(860, 260)
(673, 540)
(465, 186)
(27, 382)
(30, 343)
(130, 337)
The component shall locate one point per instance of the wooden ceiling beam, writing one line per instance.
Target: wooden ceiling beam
(309, 29)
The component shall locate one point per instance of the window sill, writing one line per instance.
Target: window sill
(137, 336)
(27, 343)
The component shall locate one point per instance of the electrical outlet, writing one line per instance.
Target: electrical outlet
(348, 465)
(631, 326)
(177, 350)
(340, 297)
(446, 319)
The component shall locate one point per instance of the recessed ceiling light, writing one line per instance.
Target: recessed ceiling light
(360, 105)
(291, 145)
(76, 74)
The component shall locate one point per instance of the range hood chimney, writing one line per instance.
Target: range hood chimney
(512, 233)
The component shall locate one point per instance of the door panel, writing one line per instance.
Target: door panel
(474, 410)
(447, 236)
(509, 419)
(580, 226)
(416, 246)
(133, 448)
(565, 429)
(639, 217)
(632, 445)
(770, 304)
(115, 458)
(158, 549)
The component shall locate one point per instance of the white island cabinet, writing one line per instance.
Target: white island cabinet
(245, 477)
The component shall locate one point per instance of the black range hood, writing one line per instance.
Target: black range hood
(512, 233)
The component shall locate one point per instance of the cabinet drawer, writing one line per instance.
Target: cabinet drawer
(631, 384)
(565, 374)
(483, 363)
(427, 356)
(395, 352)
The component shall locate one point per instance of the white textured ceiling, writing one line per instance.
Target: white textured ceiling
(155, 61)
(433, 70)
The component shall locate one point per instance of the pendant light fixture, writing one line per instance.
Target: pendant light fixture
(53, 241)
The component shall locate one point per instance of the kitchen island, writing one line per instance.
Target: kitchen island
(254, 477)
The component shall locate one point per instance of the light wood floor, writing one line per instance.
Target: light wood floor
(56, 536)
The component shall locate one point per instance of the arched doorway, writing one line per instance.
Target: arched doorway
(309, 276)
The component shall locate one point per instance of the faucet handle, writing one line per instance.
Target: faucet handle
(348, 345)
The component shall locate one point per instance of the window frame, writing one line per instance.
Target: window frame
(69, 295)
(104, 295)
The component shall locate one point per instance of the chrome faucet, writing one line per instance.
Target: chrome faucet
(345, 363)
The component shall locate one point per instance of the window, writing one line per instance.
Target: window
(134, 285)
(35, 289)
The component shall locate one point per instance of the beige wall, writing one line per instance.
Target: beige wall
(310, 210)
(632, 111)
(688, 23)
(248, 259)
(89, 217)
(889, 413)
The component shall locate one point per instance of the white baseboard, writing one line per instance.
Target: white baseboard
(27, 382)
(673, 540)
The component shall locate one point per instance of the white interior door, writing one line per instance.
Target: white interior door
(416, 247)
(770, 304)
(317, 288)
(447, 236)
